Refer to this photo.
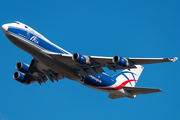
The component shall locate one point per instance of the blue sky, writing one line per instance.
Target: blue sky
(139, 28)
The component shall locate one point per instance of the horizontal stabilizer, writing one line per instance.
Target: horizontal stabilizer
(139, 90)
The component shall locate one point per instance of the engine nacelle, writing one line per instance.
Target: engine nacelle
(120, 61)
(22, 67)
(19, 77)
(80, 58)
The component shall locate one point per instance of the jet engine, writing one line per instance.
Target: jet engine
(80, 58)
(19, 77)
(120, 61)
(24, 68)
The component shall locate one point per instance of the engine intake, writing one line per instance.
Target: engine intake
(120, 61)
(80, 58)
(22, 67)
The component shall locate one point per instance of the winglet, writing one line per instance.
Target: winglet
(173, 59)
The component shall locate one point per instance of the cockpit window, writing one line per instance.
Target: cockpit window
(16, 22)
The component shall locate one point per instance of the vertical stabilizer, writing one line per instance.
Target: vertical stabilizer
(129, 77)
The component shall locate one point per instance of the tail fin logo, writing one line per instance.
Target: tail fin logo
(127, 78)
(130, 77)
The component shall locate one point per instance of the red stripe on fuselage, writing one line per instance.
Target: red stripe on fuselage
(118, 87)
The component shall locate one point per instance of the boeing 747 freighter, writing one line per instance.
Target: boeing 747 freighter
(53, 62)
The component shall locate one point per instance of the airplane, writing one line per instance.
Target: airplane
(53, 62)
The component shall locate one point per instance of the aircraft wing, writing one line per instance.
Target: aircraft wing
(108, 61)
(96, 62)
(37, 71)
(140, 61)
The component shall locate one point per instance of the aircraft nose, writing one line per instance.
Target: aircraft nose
(4, 27)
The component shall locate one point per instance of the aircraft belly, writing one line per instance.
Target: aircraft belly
(97, 88)
(116, 92)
